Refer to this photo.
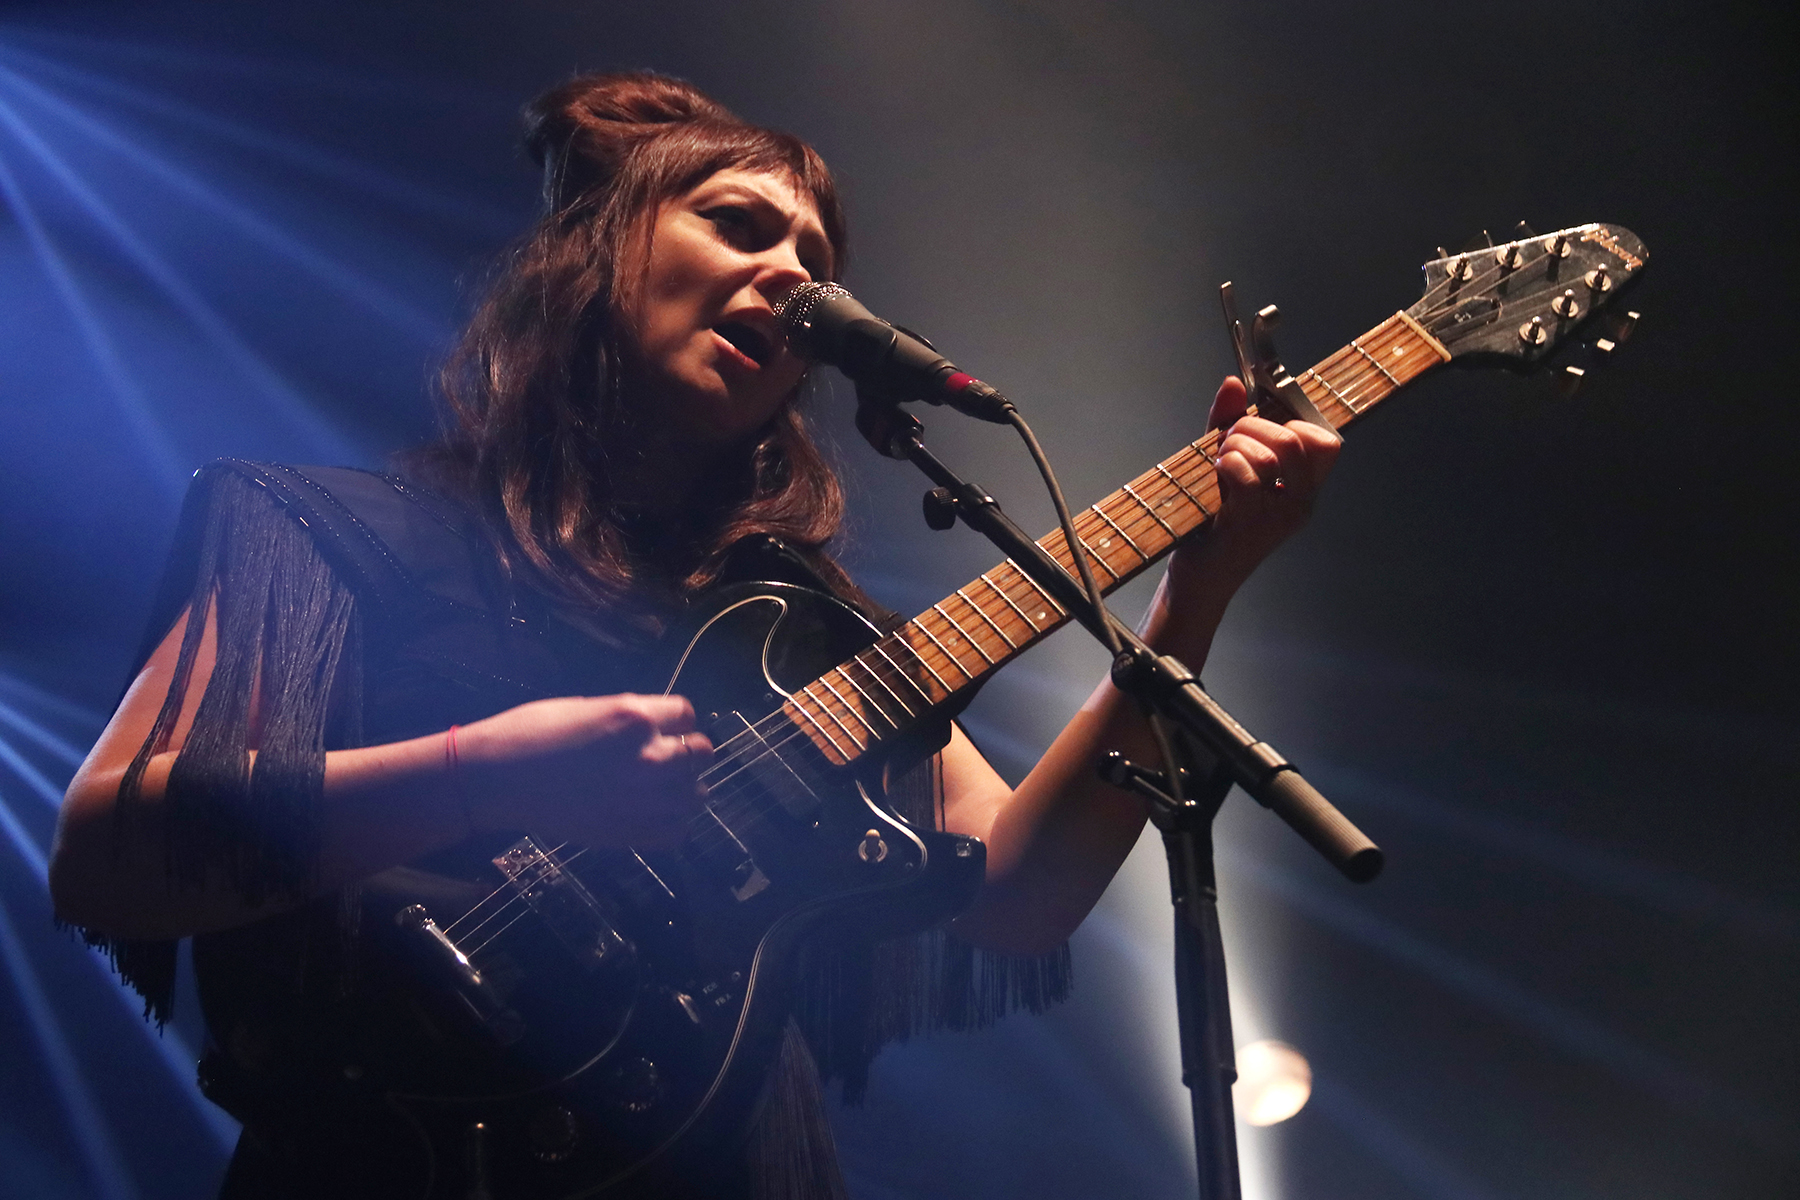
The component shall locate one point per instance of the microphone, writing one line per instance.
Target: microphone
(825, 323)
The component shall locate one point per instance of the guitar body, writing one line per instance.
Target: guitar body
(572, 1023)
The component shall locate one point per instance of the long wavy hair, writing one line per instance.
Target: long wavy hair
(536, 393)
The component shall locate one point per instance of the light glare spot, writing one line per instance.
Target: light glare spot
(1274, 1082)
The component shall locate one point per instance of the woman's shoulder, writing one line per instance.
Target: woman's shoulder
(394, 541)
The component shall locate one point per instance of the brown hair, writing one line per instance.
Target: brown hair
(533, 389)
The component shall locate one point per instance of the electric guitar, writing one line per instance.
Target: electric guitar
(577, 1020)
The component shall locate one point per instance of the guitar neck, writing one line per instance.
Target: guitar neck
(957, 643)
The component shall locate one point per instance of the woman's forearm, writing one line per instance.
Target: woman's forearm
(1056, 841)
(382, 805)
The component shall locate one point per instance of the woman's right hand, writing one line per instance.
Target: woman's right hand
(598, 770)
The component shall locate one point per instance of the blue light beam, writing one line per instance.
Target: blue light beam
(1577, 1034)
(488, 220)
(192, 305)
(63, 750)
(133, 403)
(100, 1154)
(413, 322)
(176, 1055)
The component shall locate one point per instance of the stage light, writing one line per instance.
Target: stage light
(1274, 1081)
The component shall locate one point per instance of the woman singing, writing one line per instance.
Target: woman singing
(358, 684)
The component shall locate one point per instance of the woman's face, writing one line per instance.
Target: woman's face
(720, 257)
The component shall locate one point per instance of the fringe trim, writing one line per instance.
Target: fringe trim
(283, 619)
(792, 1154)
(856, 997)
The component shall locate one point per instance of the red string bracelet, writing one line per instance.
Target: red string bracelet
(462, 795)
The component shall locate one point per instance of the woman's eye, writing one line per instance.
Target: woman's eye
(729, 217)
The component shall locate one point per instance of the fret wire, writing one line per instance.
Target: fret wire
(939, 609)
(1354, 375)
(1180, 487)
(823, 732)
(1167, 528)
(1349, 371)
(942, 649)
(867, 699)
(910, 649)
(835, 719)
(1010, 644)
(1095, 555)
(875, 675)
(1039, 589)
(900, 671)
(1134, 546)
(1342, 399)
(1001, 592)
(869, 730)
(1373, 361)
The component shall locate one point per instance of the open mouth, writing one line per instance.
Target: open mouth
(747, 341)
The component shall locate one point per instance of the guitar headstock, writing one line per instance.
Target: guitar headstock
(1516, 303)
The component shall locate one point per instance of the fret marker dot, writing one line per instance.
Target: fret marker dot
(1399, 350)
(1105, 542)
(1042, 615)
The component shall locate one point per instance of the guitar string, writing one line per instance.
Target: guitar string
(1357, 379)
(477, 906)
(1491, 272)
(861, 717)
(725, 786)
(1380, 339)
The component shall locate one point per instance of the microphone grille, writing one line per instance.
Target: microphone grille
(794, 312)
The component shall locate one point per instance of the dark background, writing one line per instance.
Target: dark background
(1542, 648)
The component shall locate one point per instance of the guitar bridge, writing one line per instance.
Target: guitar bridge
(561, 901)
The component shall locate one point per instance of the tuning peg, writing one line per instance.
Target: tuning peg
(1481, 241)
(1523, 232)
(1558, 246)
(1509, 256)
(1566, 305)
(1621, 325)
(1443, 253)
(1599, 281)
(1533, 333)
(1569, 380)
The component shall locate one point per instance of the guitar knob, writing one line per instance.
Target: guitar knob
(554, 1133)
(1566, 306)
(636, 1086)
(872, 849)
(1533, 333)
(1599, 281)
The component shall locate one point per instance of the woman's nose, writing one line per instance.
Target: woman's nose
(781, 271)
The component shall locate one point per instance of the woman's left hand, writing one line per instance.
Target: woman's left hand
(1269, 476)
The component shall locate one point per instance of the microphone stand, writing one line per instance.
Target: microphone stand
(1166, 689)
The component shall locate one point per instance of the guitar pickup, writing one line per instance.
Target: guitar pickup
(561, 901)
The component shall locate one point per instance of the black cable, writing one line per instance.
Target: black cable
(1108, 623)
(1076, 551)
